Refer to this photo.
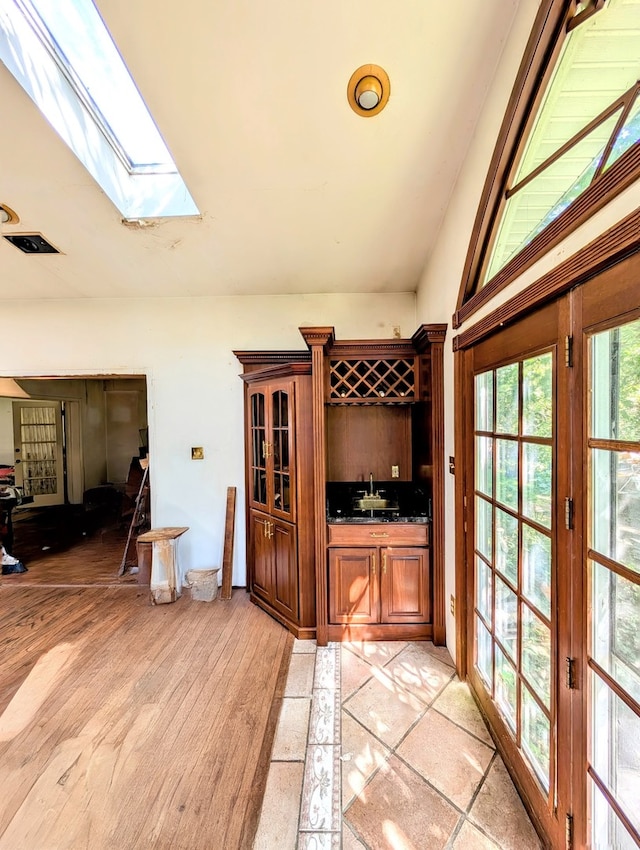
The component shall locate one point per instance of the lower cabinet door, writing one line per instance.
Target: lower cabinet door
(353, 586)
(405, 594)
(285, 568)
(260, 546)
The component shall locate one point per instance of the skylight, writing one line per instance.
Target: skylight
(64, 57)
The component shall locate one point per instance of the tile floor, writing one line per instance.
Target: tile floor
(380, 746)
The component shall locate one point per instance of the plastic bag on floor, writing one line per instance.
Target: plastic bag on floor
(11, 565)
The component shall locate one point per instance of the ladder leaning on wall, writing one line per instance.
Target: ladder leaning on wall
(139, 517)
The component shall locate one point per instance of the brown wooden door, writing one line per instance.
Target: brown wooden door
(261, 555)
(607, 774)
(553, 556)
(515, 496)
(353, 586)
(285, 568)
(405, 595)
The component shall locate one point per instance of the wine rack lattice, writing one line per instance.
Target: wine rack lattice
(372, 381)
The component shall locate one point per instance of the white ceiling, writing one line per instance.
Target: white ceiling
(297, 193)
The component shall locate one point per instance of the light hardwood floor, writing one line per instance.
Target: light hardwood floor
(126, 725)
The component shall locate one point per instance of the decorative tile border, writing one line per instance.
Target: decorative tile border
(319, 841)
(324, 726)
(320, 808)
(327, 674)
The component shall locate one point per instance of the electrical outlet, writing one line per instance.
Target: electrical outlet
(452, 605)
(395, 472)
(396, 332)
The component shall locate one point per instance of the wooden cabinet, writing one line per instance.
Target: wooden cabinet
(405, 594)
(379, 587)
(354, 592)
(273, 547)
(279, 487)
(346, 412)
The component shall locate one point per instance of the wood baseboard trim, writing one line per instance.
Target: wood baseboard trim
(373, 631)
(300, 632)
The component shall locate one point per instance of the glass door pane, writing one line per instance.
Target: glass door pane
(613, 564)
(514, 544)
(258, 436)
(281, 437)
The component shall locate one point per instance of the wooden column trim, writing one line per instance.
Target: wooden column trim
(437, 453)
(270, 358)
(431, 338)
(318, 339)
(428, 334)
(461, 402)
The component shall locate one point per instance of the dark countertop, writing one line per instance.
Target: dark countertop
(361, 520)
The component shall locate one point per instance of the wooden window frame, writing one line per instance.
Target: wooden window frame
(553, 22)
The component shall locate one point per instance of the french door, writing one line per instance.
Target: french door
(552, 497)
(611, 564)
(519, 422)
(37, 427)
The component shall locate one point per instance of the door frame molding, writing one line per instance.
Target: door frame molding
(605, 251)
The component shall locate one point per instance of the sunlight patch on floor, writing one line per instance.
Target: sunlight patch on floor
(35, 689)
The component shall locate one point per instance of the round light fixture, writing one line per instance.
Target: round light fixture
(7, 215)
(368, 90)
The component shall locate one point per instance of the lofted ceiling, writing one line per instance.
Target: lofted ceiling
(297, 193)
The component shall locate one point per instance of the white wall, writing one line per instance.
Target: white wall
(6, 431)
(195, 397)
(438, 288)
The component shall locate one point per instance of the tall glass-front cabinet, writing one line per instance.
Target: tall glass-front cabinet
(279, 484)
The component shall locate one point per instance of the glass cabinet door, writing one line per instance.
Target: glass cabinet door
(258, 438)
(280, 439)
(271, 438)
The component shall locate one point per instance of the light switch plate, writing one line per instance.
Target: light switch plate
(395, 472)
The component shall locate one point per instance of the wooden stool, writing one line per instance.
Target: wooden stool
(166, 579)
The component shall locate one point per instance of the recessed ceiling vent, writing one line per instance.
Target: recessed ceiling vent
(30, 243)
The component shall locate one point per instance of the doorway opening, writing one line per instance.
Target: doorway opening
(72, 455)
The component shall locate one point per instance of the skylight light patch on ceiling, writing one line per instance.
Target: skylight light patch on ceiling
(84, 48)
(64, 57)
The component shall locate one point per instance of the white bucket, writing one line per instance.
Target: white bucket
(203, 584)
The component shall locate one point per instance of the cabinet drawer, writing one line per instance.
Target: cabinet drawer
(384, 534)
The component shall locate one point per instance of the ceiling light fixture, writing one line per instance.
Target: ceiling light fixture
(7, 215)
(368, 90)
